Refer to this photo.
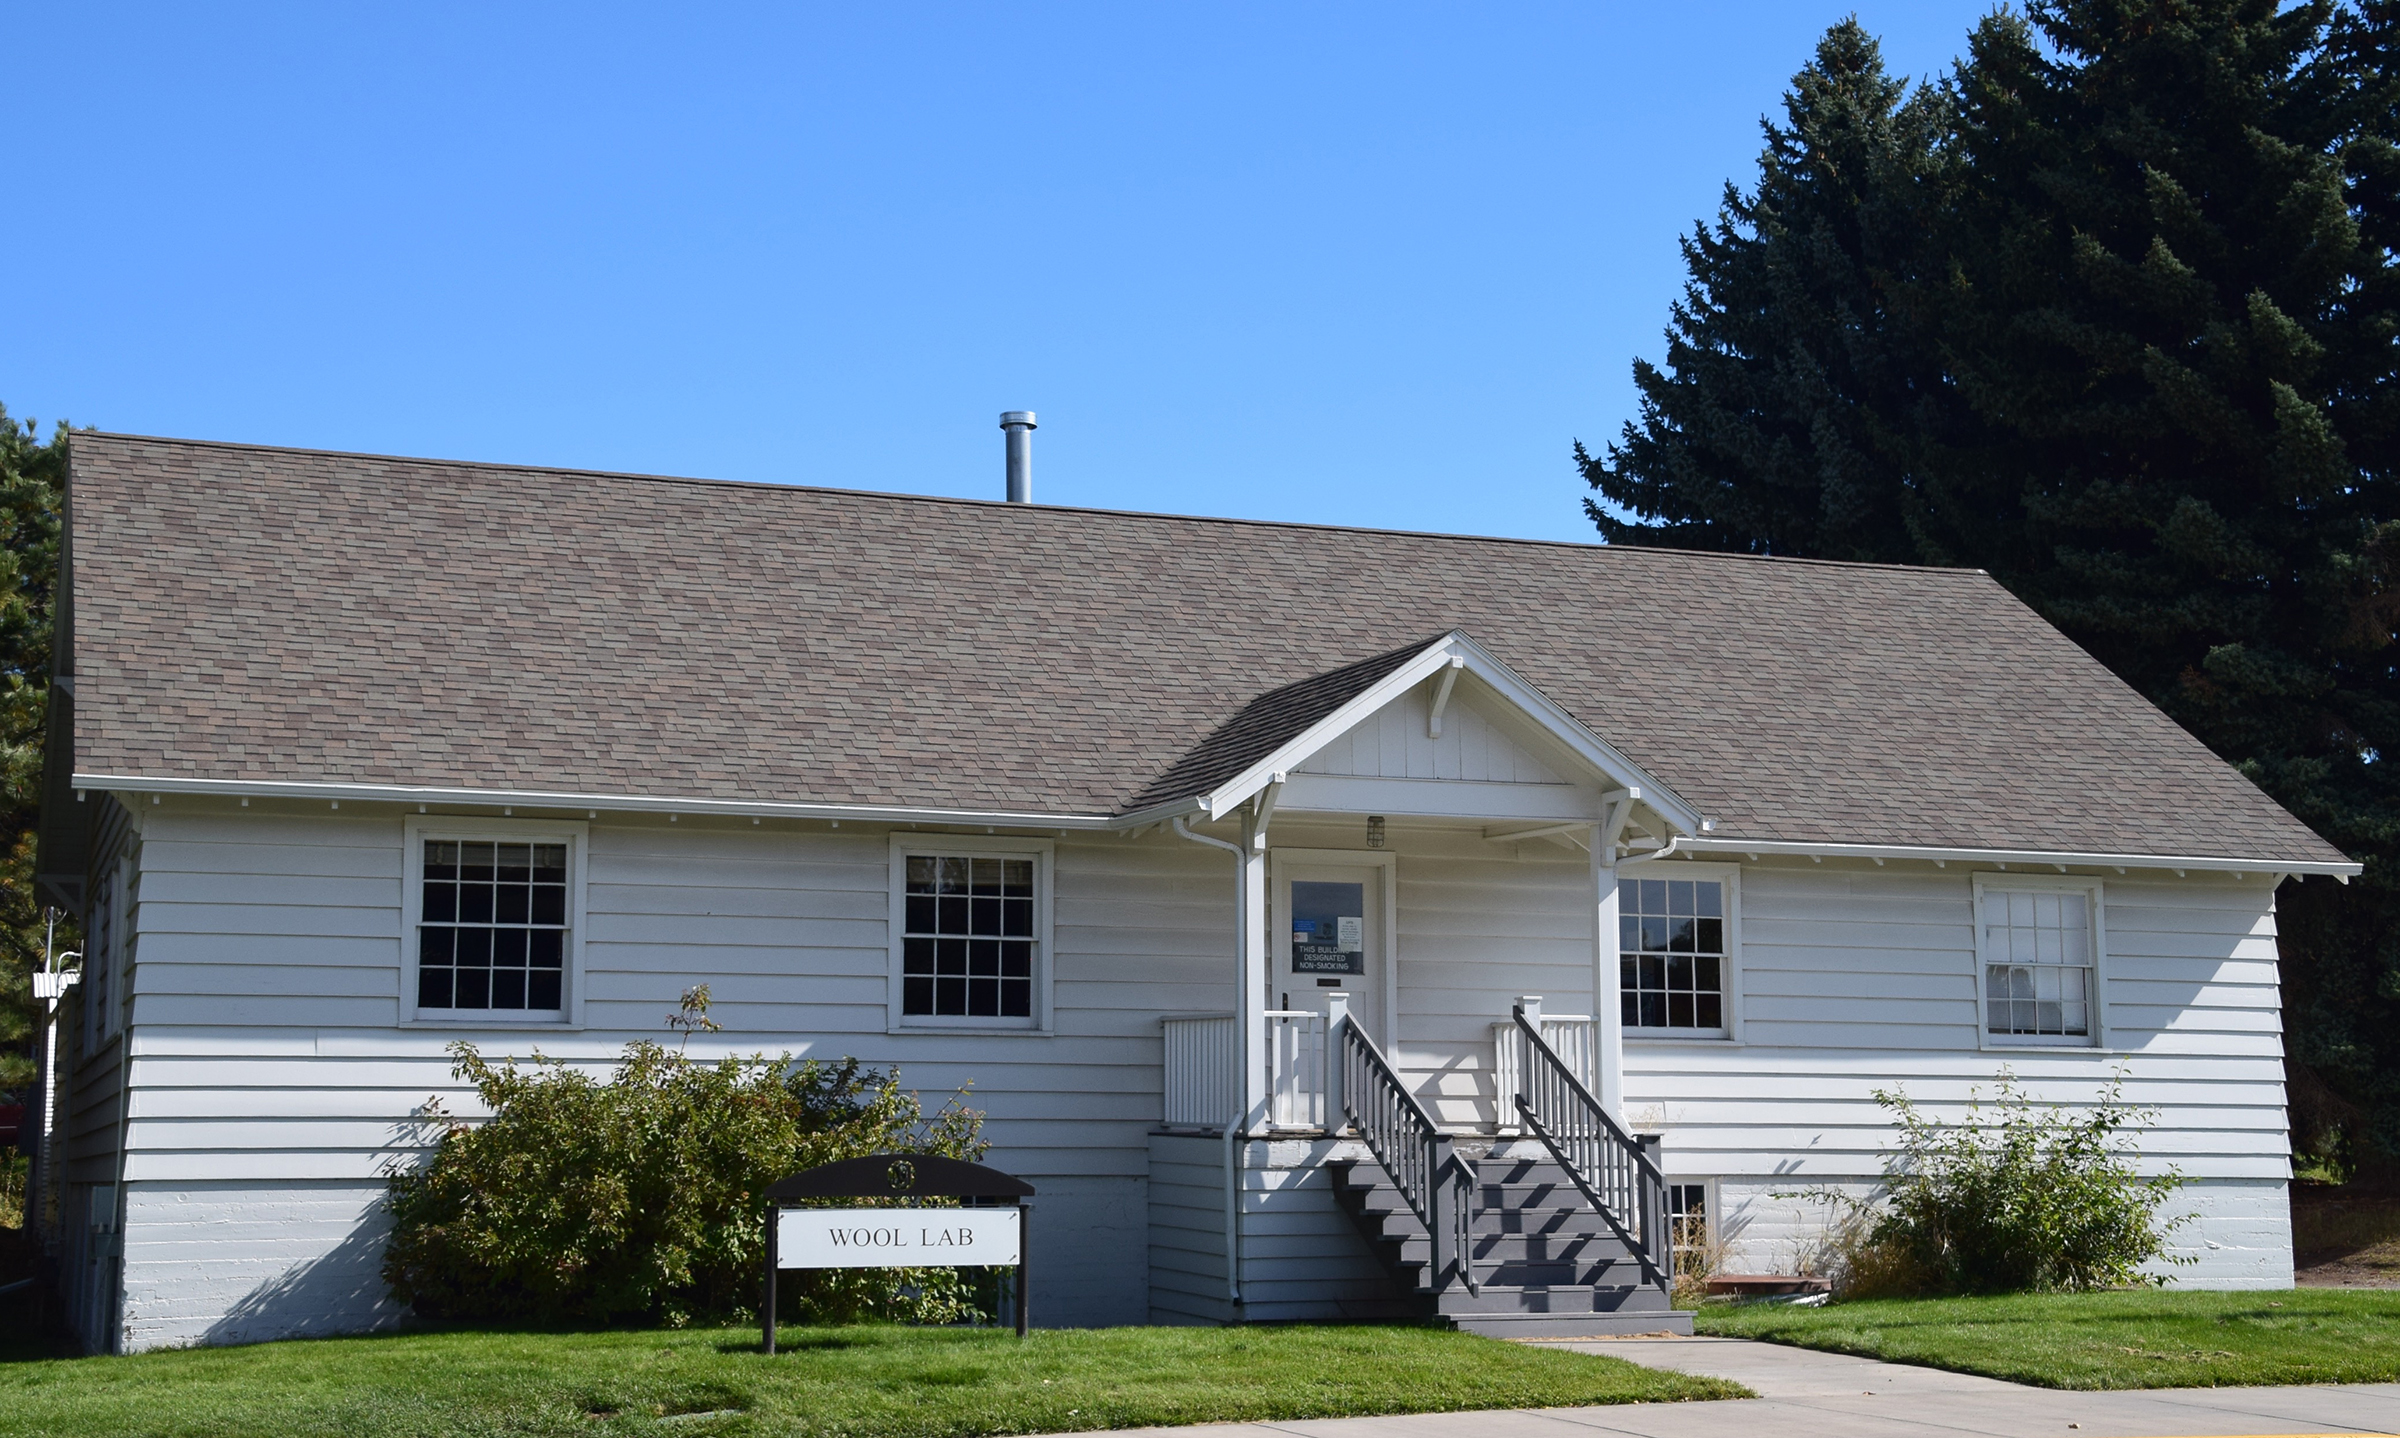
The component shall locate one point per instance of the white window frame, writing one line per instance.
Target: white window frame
(1730, 875)
(1708, 1199)
(1044, 854)
(2094, 892)
(415, 830)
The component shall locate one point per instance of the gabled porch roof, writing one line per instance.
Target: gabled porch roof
(1281, 730)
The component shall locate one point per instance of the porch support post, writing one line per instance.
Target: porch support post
(1608, 1015)
(1252, 951)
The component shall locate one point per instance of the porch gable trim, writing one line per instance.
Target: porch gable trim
(1452, 652)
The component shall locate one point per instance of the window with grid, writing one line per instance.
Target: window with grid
(1687, 1221)
(1671, 953)
(492, 930)
(967, 942)
(2037, 976)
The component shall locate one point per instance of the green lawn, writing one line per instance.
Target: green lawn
(2154, 1339)
(869, 1382)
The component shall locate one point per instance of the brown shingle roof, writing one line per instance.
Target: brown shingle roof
(251, 613)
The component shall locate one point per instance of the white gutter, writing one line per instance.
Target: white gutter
(1719, 844)
(2344, 870)
(1644, 858)
(622, 803)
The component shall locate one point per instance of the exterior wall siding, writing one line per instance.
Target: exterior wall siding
(274, 1080)
(274, 1084)
(1861, 978)
(90, 1126)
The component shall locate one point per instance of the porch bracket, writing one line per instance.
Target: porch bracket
(1266, 809)
(1441, 695)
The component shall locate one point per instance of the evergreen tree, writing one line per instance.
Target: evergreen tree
(33, 478)
(2153, 305)
(1796, 383)
(2175, 338)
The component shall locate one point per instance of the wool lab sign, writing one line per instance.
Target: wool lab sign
(897, 1237)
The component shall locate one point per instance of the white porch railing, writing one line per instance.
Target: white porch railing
(1295, 1069)
(1573, 1037)
(1203, 1081)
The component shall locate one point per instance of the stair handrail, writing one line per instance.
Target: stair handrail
(1607, 1165)
(1423, 1163)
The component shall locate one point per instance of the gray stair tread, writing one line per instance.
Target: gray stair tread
(1547, 1264)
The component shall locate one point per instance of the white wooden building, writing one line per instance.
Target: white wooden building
(1216, 856)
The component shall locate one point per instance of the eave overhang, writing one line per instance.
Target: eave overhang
(2062, 859)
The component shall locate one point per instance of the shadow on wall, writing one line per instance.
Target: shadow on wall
(339, 1291)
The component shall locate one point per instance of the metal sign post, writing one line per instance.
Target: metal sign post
(898, 1237)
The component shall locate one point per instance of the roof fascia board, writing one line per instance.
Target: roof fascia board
(1480, 662)
(620, 803)
(1718, 844)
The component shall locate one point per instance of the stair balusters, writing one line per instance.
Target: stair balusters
(1421, 1160)
(1617, 1177)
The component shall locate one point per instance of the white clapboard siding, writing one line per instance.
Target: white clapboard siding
(1187, 1230)
(269, 1058)
(787, 929)
(1858, 979)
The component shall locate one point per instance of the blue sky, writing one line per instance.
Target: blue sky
(1355, 264)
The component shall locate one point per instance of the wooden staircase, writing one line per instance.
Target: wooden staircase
(1547, 1265)
(1561, 1236)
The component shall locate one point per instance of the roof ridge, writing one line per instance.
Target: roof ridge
(642, 476)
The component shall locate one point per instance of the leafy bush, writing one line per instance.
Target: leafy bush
(2019, 1197)
(643, 1197)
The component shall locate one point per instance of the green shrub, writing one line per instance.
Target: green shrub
(643, 1197)
(2019, 1197)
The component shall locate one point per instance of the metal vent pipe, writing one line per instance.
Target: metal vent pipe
(1020, 427)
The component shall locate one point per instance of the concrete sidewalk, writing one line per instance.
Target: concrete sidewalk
(1824, 1395)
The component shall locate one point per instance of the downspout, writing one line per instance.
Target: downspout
(1241, 1068)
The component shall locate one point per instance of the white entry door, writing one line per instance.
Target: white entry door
(1327, 924)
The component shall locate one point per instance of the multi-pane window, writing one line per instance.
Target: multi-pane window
(967, 939)
(2037, 976)
(1687, 1222)
(492, 931)
(1671, 953)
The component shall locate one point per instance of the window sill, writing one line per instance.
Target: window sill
(913, 1026)
(469, 1019)
(1677, 1036)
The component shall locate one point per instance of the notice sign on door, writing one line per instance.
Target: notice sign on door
(895, 1237)
(1329, 928)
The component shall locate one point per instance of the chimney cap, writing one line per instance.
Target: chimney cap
(1017, 417)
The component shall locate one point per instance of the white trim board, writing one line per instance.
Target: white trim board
(607, 803)
(1717, 845)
